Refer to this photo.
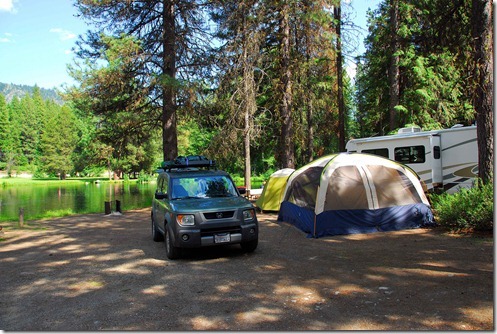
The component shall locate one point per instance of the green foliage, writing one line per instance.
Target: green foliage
(144, 177)
(58, 142)
(44, 138)
(256, 181)
(116, 113)
(193, 139)
(466, 210)
(435, 91)
(4, 124)
(112, 97)
(37, 136)
(436, 97)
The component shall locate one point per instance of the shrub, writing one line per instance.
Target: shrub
(467, 210)
(255, 180)
(144, 177)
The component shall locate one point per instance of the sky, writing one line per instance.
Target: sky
(36, 38)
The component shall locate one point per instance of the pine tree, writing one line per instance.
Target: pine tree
(429, 67)
(58, 141)
(170, 34)
(482, 32)
(4, 128)
(15, 118)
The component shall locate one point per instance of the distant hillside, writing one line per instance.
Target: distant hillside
(12, 90)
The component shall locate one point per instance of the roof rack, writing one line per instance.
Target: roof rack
(196, 161)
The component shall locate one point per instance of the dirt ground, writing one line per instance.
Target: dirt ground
(96, 272)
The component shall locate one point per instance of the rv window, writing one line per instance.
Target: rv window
(410, 154)
(382, 152)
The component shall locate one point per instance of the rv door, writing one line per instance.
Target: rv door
(436, 172)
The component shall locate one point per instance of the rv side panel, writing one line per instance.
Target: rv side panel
(441, 158)
(459, 158)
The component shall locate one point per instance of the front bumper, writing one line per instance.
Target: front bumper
(213, 236)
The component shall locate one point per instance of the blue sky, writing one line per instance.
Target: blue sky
(36, 37)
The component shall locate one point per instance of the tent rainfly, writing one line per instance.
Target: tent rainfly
(354, 193)
(272, 194)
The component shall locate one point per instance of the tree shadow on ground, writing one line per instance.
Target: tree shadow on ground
(93, 272)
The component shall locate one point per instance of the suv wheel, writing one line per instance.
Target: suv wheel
(156, 235)
(171, 251)
(249, 246)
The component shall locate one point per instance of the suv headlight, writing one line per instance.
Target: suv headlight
(248, 215)
(185, 220)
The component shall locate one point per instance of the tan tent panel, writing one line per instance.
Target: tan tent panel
(272, 194)
(389, 184)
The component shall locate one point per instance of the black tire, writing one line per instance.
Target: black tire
(249, 246)
(156, 235)
(172, 252)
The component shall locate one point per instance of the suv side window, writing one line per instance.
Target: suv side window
(162, 184)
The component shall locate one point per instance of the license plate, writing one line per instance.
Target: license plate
(220, 238)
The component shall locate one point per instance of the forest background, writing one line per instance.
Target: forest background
(255, 85)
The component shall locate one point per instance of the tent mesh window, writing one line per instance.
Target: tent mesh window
(304, 188)
(346, 190)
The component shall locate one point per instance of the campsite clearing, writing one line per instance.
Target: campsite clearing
(95, 272)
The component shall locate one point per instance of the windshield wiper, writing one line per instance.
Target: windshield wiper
(187, 197)
(222, 195)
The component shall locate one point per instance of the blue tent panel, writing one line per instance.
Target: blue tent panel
(302, 218)
(337, 222)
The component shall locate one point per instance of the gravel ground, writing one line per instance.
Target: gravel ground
(96, 272)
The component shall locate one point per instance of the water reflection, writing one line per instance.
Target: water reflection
(79, 197)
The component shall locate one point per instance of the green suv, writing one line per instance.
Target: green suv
(196, 205)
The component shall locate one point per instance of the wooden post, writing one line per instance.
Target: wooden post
(107, 208)
(21, 217)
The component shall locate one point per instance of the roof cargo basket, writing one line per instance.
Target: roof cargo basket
(195, 161)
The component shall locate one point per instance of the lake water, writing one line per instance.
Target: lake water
(37, 200)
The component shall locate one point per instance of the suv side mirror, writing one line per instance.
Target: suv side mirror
(160, 196)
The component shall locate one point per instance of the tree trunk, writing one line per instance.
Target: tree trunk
(287, 150)
(337, 12)
(249, 95)
(393, 71)
(310, 129)
(248, 99)
(169, 132)
(482, 25)
(308, 95)
(246, 146)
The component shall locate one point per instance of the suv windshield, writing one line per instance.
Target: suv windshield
(202, 187)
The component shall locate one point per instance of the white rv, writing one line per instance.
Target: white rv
(443, 159)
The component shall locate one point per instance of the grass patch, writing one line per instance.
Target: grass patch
(46, 215)
(56, 213)
(19, 181)
(256, 181)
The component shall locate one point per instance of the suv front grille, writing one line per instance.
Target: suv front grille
(219, 214)
(211, 231)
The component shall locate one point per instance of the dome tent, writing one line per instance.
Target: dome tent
(272, 194)
(354, 193)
